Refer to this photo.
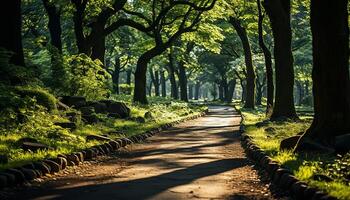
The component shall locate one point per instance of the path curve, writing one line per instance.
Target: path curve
(198, 159)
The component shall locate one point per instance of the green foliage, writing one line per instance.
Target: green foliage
(304, 166)
(14, 75)
(87, 77)
(42, 96)
(126, 89)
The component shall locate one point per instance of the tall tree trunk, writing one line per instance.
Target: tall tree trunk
(221, 92)
(259, 93)
(116, 74)
(330, 73)
(78, 16)
(190, 91)
(250, 86)
(163, 83)
(155, 80)
(171, 72)
(11, 25)
(183, 81)
(128, 76)
(300, 92)
(279, 14)
(54, 24)
(268, 61)
(157, 83)
(196, 90)
(98, 40)
(231, 90)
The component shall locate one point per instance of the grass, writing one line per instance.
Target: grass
(304, 167)
(40, 125)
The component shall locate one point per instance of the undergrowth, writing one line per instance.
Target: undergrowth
(327, 172)
(39, 123)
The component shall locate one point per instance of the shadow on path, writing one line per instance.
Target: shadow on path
(145, 187)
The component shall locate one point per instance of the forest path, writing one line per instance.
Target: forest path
(197, 159)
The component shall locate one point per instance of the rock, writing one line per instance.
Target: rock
(26, 139)
(261, 124)
(140, 120)
(62, 106)
(74, 116)
(99, 107)
(113, 115)
(148, 115)
(309, 192)
(19, 176)
(10, 178)
(298, 189)
(29, 166)
(3, 181)
(69, 125)
(270, 129)
(289, 143)
(322, 177)
(308, 145)
(97, 137)
(87, 110)
(55, 167)
(72, 158)
(117, 107)
(114, 144)
(42, 167)
(62, 162)
(34, 146)
(342, 143)
(89, 154)
(4, 159)
(29, 174)
(80, 156)
(75, 101)
(90, 119)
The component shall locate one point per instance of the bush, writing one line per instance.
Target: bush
(126, 89)
(15, 75)
(42, 96)
(88, 78)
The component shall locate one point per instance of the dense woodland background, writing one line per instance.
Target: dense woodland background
(273, 57)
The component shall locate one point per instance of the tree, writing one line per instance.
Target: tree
(279, 15)
(250, 86)
(182, 16)
(268, 60)
(11, 23)
(330, 74)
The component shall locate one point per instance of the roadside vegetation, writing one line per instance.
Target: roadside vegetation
(327, 172)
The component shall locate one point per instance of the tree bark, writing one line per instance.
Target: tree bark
(183, 82)
(231, 90)
(250, 86)
(140, 93)
(128, 76)
(171, 72)
(279, 14)
(196, 90)
(268, 61)
(54, 24)
(11, 25)
(116, 74)
(155, 79)
(163, 83)
(190, 91)
(330, 73)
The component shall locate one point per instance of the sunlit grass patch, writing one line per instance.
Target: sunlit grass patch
(40, 125)
(304, 167)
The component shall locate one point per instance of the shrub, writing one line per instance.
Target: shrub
(87, 77)
(126, 89)
(42, 96)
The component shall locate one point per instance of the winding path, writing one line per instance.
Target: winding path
(198, 159)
